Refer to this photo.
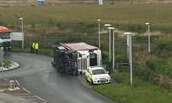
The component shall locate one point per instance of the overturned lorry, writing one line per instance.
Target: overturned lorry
(75, 58)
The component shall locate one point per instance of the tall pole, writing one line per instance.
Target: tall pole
(110, 45)
(100, 2)
(22, 30)
(149, 38)
(23, 33)
(130, 60)
(22, 26)
(109, 30)
(99, 38)
(21, 21)
(129, 48)
(113, 51)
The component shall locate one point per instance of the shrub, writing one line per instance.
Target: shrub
(6, 63)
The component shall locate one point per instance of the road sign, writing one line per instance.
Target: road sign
(17, 36)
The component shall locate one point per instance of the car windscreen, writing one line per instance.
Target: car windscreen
(98, 71)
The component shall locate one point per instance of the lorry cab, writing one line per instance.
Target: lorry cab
(5, 39)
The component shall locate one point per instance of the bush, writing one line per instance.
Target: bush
(164, 49)
(160, 66)
(6, 63)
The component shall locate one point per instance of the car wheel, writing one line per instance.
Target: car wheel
(91, 82)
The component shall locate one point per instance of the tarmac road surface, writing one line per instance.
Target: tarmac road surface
(38, 76)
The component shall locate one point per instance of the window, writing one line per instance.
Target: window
(93, 59)
(98, 71)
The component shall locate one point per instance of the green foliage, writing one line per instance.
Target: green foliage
(6, 63)
(141, 92)
(164, 49)
(121, 77)
(129, 17)
(161, 66)
(144, 93)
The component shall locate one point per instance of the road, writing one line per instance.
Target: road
(38, 76)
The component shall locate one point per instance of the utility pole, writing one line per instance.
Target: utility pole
(113, 50)
(100, 2)
(22, 26)
(99, 38)
(110, 42)
(149, 38)
(22, 30)
(108, 26)
(130, 58)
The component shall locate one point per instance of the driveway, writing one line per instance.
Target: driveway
(38, 76)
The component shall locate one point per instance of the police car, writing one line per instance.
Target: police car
(97, 75)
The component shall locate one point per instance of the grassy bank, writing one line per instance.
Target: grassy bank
(127, 16)
(141, 92)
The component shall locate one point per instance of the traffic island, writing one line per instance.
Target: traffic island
(7, 65)
(12, 92)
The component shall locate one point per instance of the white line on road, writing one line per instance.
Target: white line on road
(17, 82)
(26, 90)
(41, 99)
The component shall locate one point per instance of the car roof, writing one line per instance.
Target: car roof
(96, 67)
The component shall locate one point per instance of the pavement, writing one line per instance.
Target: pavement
(12, 99)
(40, 78)
(12, 92)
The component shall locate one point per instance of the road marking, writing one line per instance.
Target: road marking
(41, 99)
(26, 90)
(44, 101)
(17, 82)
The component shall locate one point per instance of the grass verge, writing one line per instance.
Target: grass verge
(141, 92)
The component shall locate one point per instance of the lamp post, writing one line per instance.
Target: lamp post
(100, 2)
(21, 20)
(99, 38)
(108, 25)
(129, 49)
(149, 38)
(110, 41)
(22, 29)
(113, 50)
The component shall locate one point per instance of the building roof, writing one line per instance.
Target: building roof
(79, 46)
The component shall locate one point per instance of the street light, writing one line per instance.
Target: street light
(100, 2)
(129, 50)
(22, 29)
(113, 49)
(110, 41)
(99, 42)
(21, 20)
(148, 32)
(108, 25)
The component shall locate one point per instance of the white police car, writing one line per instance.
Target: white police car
(97, 75)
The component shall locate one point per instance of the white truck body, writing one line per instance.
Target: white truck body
(88, 55)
